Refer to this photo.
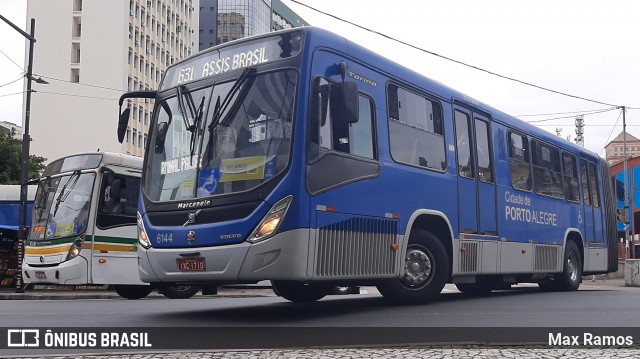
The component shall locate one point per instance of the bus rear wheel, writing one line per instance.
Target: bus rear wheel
(426, 271)
(179, 291)
(299, 292)
(133, 291)
(571, 276)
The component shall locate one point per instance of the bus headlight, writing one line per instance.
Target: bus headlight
(143, 239)
(271, 222)
(75, 249)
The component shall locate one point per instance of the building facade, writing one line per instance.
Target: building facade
(92, 51)
(614, 150)
(9, 127)
(227, 20)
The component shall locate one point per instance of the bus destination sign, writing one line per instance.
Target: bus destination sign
(238, 57)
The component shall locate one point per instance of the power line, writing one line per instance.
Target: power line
(10, 59)
(79, 83)
(11, 94)
(454, 60)
(612, 129)
(9, 83)
(73, 95)
(562, 113)
(584, 114)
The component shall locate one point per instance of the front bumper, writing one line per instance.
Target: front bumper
(281, 257)
(70, 272)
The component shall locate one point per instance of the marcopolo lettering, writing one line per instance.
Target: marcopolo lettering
(203, 203)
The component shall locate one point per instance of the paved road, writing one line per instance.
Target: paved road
(598, 304)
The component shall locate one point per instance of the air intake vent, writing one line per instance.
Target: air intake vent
(546, 258)
(469, 257)
(357, 247)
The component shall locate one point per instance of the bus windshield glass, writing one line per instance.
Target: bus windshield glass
(61, 206)
(244, 141)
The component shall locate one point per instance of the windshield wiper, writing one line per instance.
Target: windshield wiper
(63, 196)
(221, 107)
(196, 124)
(183, 110)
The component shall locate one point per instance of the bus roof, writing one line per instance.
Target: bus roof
(89, 160)
(316, 37)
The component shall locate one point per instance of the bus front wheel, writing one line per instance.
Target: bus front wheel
(299, 292)
(426, 271)
(179, 291)
(133, 291)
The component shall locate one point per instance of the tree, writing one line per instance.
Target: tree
(10, 160)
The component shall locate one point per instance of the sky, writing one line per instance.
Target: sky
(586, 48)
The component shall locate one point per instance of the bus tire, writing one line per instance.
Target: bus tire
(571, 276)
(426, 271)
(298, 292)
(133, 291)
(179, 291)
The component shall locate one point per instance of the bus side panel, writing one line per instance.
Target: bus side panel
(114, 258)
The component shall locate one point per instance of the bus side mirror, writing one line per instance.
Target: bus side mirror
(122, 124)
(349, 92)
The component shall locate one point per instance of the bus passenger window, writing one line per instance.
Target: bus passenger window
(547, 178)
(585, 182)
(463, 144)
(485, 168)
(571, 189)
(519, 162)
(415, 129)
(593, 184)
(118, 203)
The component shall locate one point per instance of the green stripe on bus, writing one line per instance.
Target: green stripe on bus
(118, 240)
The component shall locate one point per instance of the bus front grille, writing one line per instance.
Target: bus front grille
(357, 247)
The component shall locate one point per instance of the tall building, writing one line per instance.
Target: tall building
(227, 20)
(9, 127)
(614, 150)
(90, 52)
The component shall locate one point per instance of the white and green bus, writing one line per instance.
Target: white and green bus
(84, 226)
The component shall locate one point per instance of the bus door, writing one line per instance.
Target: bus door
(476, 182)
(592, 202)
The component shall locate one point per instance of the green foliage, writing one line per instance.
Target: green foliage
(10, 160)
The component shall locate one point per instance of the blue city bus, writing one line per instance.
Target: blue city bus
(303, 158)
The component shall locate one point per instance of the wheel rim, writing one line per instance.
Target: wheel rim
(572, 268)
(418, 268)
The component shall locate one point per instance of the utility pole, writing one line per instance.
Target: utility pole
(26, 139)
(630, 246)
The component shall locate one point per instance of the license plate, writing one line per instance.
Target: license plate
(191, 264)
(41, 275)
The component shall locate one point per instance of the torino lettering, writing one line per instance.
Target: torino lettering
(530, 216)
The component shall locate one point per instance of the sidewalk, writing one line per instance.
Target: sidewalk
(46, 294)
(244, 292)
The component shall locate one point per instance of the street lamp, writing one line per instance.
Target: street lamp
(25, 151)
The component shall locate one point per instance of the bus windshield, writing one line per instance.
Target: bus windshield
(61, 206)
(244, 141)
